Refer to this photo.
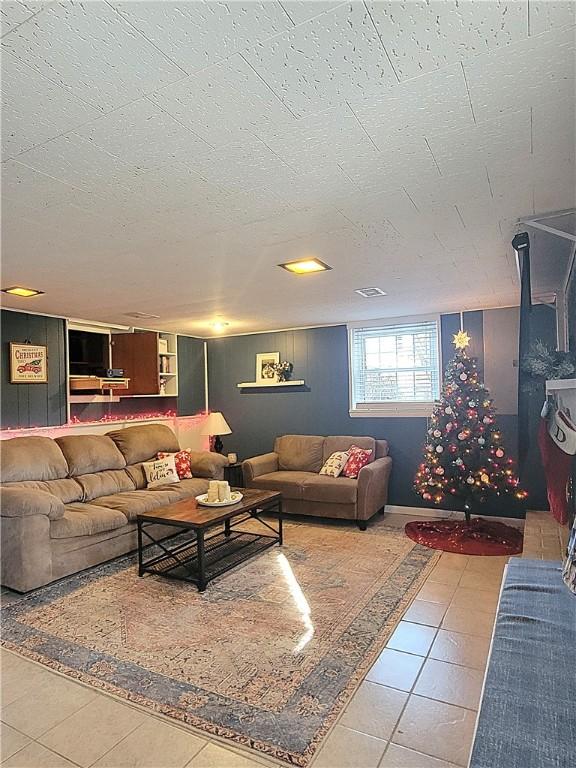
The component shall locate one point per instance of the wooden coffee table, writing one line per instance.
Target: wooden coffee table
(199, 558)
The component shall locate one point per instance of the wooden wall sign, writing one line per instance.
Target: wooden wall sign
(28, 364)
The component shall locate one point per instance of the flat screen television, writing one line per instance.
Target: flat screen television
(89, 353)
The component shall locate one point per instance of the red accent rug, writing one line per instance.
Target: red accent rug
(478, 537)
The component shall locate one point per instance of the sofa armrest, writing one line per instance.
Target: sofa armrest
(373, 487)
(25, 516)
(259, 465)
(25, 502)
(208, 464)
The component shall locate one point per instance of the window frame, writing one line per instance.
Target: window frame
(393, 408)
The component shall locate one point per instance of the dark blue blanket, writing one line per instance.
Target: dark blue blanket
(528, 713)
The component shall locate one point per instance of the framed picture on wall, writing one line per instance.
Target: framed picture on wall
(265, 373)
(28, 364)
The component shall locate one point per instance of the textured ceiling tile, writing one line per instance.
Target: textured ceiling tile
(74, 160)
(141, 134)
(85, 46)
(241, 166)
(392, 168)
(326, 184)
(300, 11)
(472, 185)
(490, 144)
(14, 13)
(23, 187)
(546, 14)
(223, 102)
(335, 56)
(365, 210)
(35, 109)
(423, 35)
(314, 141)
(423, 106)
(197, 34)
(554, 131)
(533, 71)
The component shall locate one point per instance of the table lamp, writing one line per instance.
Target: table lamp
(215, 425)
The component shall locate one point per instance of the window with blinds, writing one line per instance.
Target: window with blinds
(394, 367)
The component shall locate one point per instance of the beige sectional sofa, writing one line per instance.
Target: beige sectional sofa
(70, 503)
(293, 468)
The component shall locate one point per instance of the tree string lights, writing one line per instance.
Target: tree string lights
(464, 457)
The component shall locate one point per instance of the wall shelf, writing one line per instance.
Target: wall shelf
(556, 385)
(258, 385)
(94, 399)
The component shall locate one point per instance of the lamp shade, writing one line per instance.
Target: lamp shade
(215, 424)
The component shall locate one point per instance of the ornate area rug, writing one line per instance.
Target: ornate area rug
(267, 657)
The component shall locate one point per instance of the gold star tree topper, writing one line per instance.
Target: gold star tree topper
(461, 340)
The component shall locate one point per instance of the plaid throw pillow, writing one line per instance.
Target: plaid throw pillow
(358, 458)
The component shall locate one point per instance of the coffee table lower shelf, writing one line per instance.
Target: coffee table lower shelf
(221, 553)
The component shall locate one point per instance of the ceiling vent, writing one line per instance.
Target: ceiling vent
(142, 315)
(370, 293)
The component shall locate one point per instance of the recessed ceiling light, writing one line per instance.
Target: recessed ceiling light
(305, 266)
(142, 315)
(219, 325)
(18, 290)
(369, 293)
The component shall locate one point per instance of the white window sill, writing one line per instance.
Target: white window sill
(393, 410)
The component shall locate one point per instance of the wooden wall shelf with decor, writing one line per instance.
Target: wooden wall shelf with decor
(259, 385)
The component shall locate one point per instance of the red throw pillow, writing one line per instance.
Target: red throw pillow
(358, 458)
(182, 460)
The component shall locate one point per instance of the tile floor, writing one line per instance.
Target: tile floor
(416, 707)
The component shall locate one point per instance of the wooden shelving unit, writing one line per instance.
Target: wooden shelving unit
(150, 359)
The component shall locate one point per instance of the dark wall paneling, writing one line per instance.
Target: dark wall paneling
(543, 328)
(320, 357)
(34, 405)
(571, 308)
(449, 325)
(191, 390)
(474, 325)
(471, 322)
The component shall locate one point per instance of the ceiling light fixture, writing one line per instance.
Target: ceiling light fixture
(370, 293)
(18, 290)
(305, 266)
(219, 325)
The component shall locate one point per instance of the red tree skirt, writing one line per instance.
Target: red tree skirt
(478, 537)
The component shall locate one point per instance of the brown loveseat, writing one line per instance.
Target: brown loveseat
(293, 469)
(70, 503)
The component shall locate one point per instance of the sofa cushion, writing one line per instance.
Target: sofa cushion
(67, 490)
(90, 453)
(187, 489)
(331, 490)
(133, 503)
(300, 453)
(344, 442)
(84, 520)
(31, 458)
(104, 483)
(288, 483)
(143, 442)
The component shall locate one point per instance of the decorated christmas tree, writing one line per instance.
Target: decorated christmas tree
(464, 458)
